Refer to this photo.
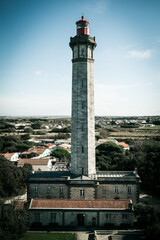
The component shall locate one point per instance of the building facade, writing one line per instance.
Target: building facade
(81, 213)
(103, 185)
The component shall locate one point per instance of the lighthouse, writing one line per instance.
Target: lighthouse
(83, 122)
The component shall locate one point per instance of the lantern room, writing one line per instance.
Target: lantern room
(82, 26)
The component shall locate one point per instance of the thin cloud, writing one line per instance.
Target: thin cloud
(158, 76)
(38, 73)
(95, 6)
(100, 6)
(140, 54)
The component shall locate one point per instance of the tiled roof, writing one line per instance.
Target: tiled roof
(78, 204)
(8, 155)
(31, 161)
(123, 144)
(50, 145)
(64, 145)
(35, 150)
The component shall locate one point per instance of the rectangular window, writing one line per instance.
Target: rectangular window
(129, 190)
(124, 216)
(36, 189)
(82, 127)
(61, 190)
(82, 149)
(116, 189)
(82, 83)
(103, 191)
(61, 194)
(37, 217)
(48, 190)
(53, 217)
(108, 216)
(94, 222)
(82, 193)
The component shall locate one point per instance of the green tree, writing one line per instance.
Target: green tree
(36, 125)
(13, 222)
(12, 179)
(25, 136)
(21, 147)
(148, 219)
(61, 154)
(62, 136)
(147, 157)
(104, 133)
(110, 156)
(28, 130)
(4, 125)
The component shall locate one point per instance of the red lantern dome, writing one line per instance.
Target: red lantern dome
(82, 26)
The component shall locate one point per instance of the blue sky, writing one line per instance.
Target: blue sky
(35, 58)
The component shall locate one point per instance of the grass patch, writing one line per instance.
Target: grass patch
(49, 236)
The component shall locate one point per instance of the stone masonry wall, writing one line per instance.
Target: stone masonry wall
(83, 133)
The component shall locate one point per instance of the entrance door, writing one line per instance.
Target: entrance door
(80, 220)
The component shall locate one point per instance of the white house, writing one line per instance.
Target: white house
(42, 152)
(44, 164)
(13, 157)
(50, 145)
(124, 145)
(63, 141)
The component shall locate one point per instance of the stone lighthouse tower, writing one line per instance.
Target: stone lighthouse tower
(83, 123)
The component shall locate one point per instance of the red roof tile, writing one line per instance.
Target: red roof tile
(78, 204)
(8, 155)
(123, 144)
(50, 145)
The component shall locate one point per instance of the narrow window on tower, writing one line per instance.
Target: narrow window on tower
(91, 53)
(82, 83)
(82, 127)
(83, 105)
(82, 149)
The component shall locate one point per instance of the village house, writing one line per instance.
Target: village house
(66, 147)
(124, 145)
(103, 140)
(13, 157)
(44, 164)
(63, 141)
(36, 152)
(35, 140)
(51, 146)
(42, 152)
